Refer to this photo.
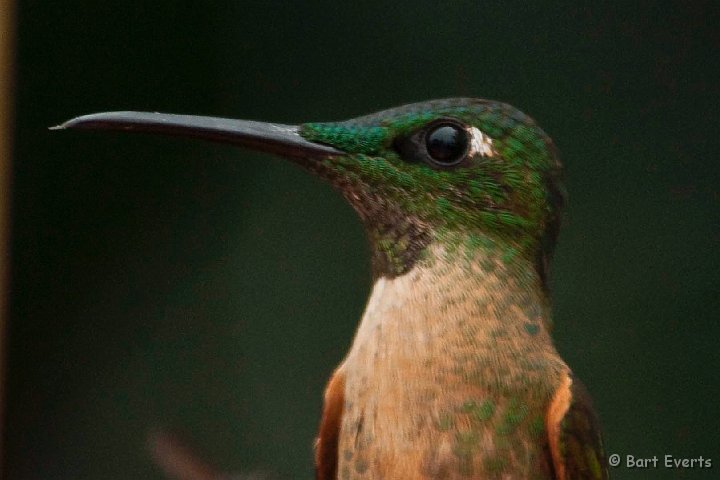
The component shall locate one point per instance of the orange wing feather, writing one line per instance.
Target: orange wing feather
(574, 434)
(326, 445)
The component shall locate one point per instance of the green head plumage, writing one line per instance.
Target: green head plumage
(422, 171)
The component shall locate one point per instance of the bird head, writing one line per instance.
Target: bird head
(419, 174)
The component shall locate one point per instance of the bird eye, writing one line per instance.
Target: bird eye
(446, 144)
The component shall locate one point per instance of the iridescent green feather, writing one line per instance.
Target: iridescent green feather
(513, 196)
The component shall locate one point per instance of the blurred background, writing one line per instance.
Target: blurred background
(165, 283)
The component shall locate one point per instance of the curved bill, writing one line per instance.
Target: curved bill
(274, 138)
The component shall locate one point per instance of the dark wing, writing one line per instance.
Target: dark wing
(574, 434)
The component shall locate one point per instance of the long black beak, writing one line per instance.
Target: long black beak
(276, 138)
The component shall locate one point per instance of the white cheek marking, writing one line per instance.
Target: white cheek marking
(480, 144)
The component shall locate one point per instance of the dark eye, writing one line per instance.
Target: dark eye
(446, 144)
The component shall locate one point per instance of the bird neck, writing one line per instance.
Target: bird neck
(462, 289)
(453, 356)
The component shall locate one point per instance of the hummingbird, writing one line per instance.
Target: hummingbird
(453, 373)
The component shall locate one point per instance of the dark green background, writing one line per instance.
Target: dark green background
(164, 282)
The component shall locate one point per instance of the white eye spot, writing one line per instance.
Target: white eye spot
(480, 144)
